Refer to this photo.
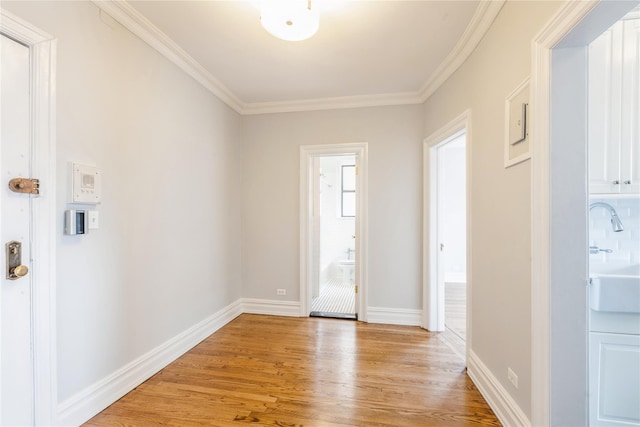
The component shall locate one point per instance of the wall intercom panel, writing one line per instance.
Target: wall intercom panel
(86, 184)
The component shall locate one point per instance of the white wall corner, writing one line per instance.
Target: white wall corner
(394, 316)
(87, 403)
(135, 22)
(270, 307)
(498, 398)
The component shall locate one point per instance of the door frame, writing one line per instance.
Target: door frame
(433, 296)
(307, 154)
(559, 366)
(42, 48)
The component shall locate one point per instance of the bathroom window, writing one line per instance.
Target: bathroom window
(348, 191)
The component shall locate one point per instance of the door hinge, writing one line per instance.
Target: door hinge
(356, 289)
(357, 168)
(25, 185)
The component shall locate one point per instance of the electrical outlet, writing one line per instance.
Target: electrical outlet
(281, 291)
(512, 377)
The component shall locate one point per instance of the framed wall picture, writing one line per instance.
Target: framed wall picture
(516, 138)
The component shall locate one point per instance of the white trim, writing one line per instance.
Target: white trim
(498, 398)
(335, 103)
(481, 21)
(82, 406)
(270, 307)
(42, 47)
(307, 153)
(557, 28)
(395, 316)
(135, 22)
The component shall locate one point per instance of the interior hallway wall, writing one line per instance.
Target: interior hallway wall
(500, 198)
(167, 254)
(271, 198)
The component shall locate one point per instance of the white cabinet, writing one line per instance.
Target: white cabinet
(614, 377)
(614, 110)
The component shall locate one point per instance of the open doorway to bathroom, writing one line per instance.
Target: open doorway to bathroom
(333, 230)
(334, 287)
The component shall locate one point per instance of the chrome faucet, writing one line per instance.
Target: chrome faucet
(596, 250)
(615, 221)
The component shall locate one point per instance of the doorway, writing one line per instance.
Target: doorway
(451, 237)
(446, 284)
(333, 230)
(27, 294)
(334, 234)
(560, 202)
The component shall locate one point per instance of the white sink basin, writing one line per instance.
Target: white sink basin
(616, 291)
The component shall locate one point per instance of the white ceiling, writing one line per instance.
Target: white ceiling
(376, 51)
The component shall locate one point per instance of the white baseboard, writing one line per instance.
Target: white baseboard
(498, 398)
(270, 307)
(394, 316)
(82, 406)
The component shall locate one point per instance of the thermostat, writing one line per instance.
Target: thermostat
(86, 184)
(75, 222)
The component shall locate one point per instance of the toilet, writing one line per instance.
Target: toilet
(347, 266)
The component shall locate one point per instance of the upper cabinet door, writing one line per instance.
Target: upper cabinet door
(614, 110)
(630, 123)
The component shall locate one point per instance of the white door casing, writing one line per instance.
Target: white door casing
(433, 293)
(307, 155)
(40, 251)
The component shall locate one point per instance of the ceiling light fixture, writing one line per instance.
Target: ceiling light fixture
(291, 20)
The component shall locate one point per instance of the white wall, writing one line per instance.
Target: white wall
(500, 275)
(335, 232)
(271, 211)
(167, 254)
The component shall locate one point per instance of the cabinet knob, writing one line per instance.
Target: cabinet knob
(616, 182)
(628, 182)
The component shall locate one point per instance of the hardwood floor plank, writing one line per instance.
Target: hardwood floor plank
(281, 371)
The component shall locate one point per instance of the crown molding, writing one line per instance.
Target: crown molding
(335, 103)
(134, 21)
(481, 21)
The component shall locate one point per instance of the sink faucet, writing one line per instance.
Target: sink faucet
(615, 221)
(596, 250)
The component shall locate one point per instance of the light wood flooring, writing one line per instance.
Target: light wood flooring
(283, 371)
(455, 316)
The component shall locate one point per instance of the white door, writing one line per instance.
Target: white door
(16, 356)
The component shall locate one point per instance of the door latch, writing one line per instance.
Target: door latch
(25, 185)
(15, 269)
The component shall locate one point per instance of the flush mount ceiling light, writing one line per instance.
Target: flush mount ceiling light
(291, 20)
